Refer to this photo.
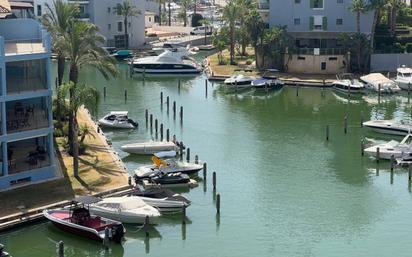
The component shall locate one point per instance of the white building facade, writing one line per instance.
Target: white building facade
(102, 13)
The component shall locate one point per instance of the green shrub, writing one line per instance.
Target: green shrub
(249, 61)
(58, 133)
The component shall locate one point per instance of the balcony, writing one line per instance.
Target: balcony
(23, 36)
(28, 154)
(26, 115)
(25, 76)
(322, 51)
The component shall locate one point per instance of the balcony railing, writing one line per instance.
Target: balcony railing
(26, 118)
(322, 51)
(84, 16)
(26, 157)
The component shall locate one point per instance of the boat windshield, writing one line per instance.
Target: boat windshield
(407, 75)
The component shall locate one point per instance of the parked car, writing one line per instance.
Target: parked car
(201, 30)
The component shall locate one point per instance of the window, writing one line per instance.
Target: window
(316, 4)
(297, 1)
(333, 58)
(296, 21)
(301, 58)
(323, 65)
(340, 1)
(130, 24)
(339, 21)
(119, 26)
(118, 9)
(108, 9)
(150, 19)
(39, 10)
(109, 26)
(318, 22)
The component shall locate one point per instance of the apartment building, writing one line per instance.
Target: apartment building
(315, 25)
(26, 124)
(102, 13)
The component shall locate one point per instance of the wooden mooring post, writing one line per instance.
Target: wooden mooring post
(156, 127)
(104, 92)
(188, 154)
(362, 147)
(345, 124)
(204, 170)
(178, 86)
(327, 132)
(61, 249)
(392, 162)
(409, 175)
(161, 99)
(214, 180)
(146, 225)
(151, 123)
(377, 154)
(196, 159)
(146, 115)
(206, 88)
(167, 104)
(218, 203)
(161, 132)
(167, 135)
(125, 95)
(184, 215)
(174, 110)
(181, 114)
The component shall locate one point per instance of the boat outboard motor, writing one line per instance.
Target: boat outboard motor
(117, 233)
(134, 123)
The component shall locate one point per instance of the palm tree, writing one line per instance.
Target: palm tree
(377, 6)
(170, 14)
(126, 9)
(393, 8)
(82, 46)
(56, 21)
(185, 5)
(359, 7)
(160, 2)
(231, 14)
(80, 95)
(84, 129)
(208, 29)
(255, 27)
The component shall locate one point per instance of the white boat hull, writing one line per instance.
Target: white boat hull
(149, 148)
(124, 217)
(384, 153)
(388, 127)
(117, 125)
(165, 205)
(191, 184)
(405, 85)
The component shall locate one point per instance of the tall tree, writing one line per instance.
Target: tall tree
(393, 9)
(358, 7)
(208, 29)
(127, 10)
(377, 6)
(255, 27)
(231, 14)
(185, 6)
(56, 21)
(170, 13)
(82, 95)
(83, 47)
(160, 2)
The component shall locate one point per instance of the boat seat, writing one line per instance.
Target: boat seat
(93, 222)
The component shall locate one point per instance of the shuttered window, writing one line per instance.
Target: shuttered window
(325, 23)
(311, 22)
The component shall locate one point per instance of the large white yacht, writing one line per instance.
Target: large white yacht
(175, 61)
(404, 78)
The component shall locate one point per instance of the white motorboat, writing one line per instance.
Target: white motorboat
(169, 166)
(391, 127)
(117, 119)
(125, 209)
(378, 82)
(404, 78)
(166, 154)
(148, 148)
(348, 84)
(391, 148)
(239, 81)
(174, 61)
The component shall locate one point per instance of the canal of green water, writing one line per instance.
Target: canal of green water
(285, 190)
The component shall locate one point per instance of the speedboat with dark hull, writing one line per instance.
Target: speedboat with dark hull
(79, 221)
(118, 120)
(392, 127)
(167, 166)
(167, 180)
(348, 84)
(266, 84)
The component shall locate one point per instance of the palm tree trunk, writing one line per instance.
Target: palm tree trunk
(160, 13)
(374, 24)
(358, 22)
(73, 77)
(184, 16)
(194, 7)
(393, 20)
(170, 14)
(256, 57)
(60, 73)
(75, 149)
(232, 44)
(126, 35)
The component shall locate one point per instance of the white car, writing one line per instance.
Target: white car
(201, 30)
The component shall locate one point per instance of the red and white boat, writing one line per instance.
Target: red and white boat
(77, 220)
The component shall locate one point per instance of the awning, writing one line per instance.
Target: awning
(20, 5)
(5, 8)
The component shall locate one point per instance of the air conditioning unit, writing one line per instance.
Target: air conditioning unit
(316, 51)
